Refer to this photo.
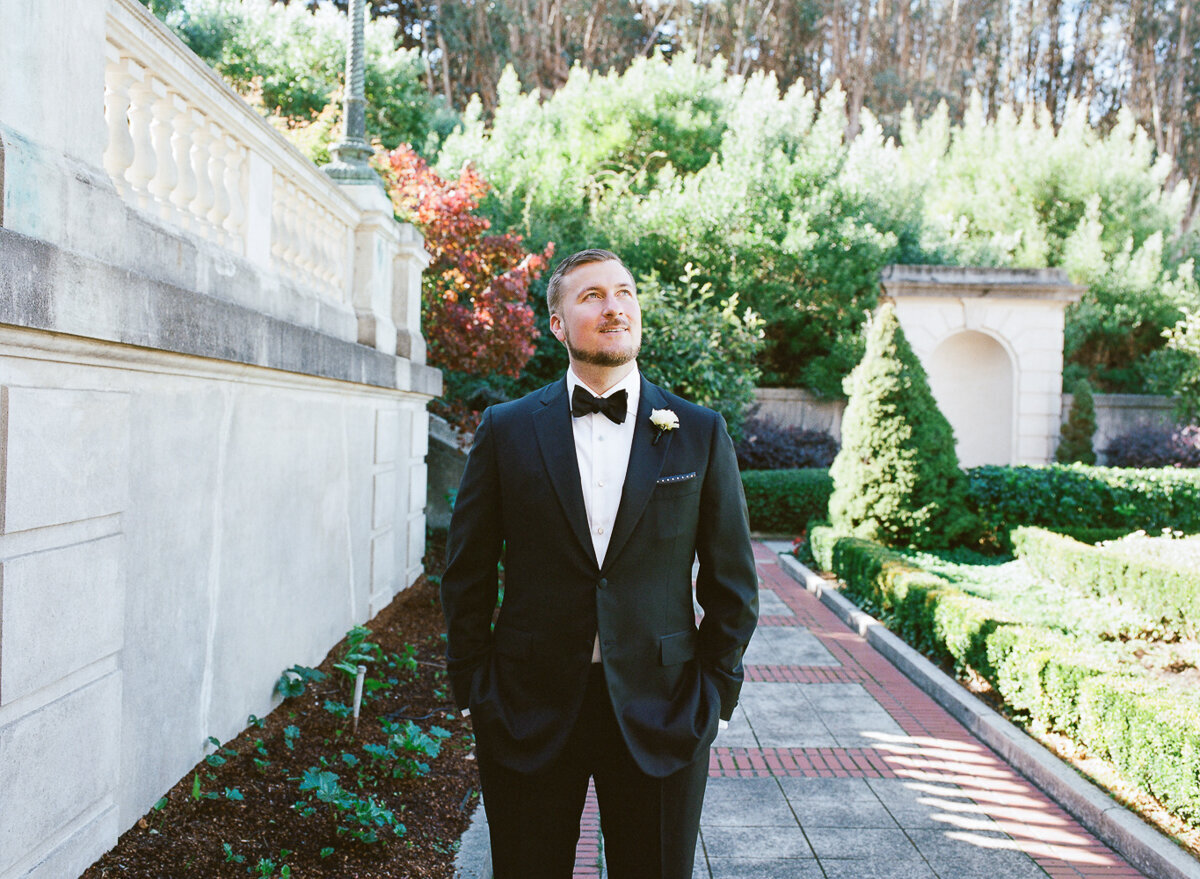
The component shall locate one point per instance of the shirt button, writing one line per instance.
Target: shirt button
(600, 529)
(600, 438)
(600, 483)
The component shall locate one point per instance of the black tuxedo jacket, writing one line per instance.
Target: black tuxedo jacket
(521, 502)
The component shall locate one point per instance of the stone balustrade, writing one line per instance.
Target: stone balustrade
(184, 148)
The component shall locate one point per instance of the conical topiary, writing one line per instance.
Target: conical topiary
(1075, 443)
(896, 479)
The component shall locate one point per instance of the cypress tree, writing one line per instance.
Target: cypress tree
(896, 479)
(1075, 443)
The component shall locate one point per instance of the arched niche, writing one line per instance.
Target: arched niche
(999, 375)
(972, 378)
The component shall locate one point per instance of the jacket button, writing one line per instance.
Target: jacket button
(603, 582)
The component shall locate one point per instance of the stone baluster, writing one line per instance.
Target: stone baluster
(304, 246)
(216, 175)
(236, 217)
(117, 80)
(324, 269)
(181, 151)
(205, 195)
(283, 248)
(161, 128)
(141, 115)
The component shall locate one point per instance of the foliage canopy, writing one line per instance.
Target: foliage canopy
(681, 163)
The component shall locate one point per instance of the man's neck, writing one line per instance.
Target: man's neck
(599, 379)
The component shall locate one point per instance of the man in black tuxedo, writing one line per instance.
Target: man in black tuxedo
(598, 492)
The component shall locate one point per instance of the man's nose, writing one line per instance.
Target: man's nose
(613, 305)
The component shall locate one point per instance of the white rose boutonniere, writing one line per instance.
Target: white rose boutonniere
(663, 420)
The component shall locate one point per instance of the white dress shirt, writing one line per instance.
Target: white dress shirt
(602, 450)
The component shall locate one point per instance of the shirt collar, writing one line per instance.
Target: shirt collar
(632, 384)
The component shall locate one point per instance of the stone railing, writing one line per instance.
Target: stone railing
(184, 148)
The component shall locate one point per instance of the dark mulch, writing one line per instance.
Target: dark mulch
(262, 833)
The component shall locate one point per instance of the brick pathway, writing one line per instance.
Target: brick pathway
(836, 766)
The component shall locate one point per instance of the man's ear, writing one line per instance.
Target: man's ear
(556, 326)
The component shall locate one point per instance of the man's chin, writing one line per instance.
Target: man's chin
(603, 358)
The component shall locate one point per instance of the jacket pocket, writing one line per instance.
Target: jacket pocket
(677, 648)
(512, 642)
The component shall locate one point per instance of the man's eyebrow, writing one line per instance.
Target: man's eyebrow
(597, 287)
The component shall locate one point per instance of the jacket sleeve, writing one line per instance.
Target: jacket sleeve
(727, 582)
(469, 583)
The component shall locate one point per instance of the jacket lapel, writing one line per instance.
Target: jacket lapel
(646, 460)
(556, 441)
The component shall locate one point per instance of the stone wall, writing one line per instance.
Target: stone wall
(213, 424)
(1120, 414)
(1116, 414)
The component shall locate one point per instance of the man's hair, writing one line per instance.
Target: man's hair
(582, 258)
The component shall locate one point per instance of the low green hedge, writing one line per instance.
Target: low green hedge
(1164, 592)
(1093, 503)
(781, 501)
(1060, 681)
(1089, 503)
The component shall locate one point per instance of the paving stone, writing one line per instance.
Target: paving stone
(921, 805)
(779, 547)
(889, 869)
(755, 842)
(738, 734)
(746, 802)
(758, 868)
(782, 718)
(787, 645)
(955, 853)
(814, 715)
(771, 605)
(835, 802)
(872, 844)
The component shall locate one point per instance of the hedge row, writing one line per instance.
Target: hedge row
(1090, 503)
(1165, 592)
(1149, 732)
(782, 501)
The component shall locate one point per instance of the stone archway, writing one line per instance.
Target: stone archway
(992, 343)
(972, 378)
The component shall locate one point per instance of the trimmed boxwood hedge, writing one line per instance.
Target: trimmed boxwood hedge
(1099, 502)
(1151, 733)
(782, 501)
(1163, 591)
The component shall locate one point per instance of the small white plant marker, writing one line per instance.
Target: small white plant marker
(358, 685)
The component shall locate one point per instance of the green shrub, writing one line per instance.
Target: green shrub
(1057, 680)
(783, 501)
(1165, 592)
(896, 479)
(699, 348)
(1077, 433)
(1097, 502)
(1151, 734)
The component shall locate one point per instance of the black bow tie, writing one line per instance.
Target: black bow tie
(583, 403)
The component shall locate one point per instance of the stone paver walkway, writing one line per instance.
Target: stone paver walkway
(836, 766)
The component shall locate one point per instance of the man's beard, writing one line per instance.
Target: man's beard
(602, 358)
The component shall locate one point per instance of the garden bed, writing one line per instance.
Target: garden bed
(267, 803)
(1107, 685)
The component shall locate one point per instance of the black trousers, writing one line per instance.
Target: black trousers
(649, 824)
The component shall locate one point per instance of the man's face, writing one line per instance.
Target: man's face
(599, 319)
